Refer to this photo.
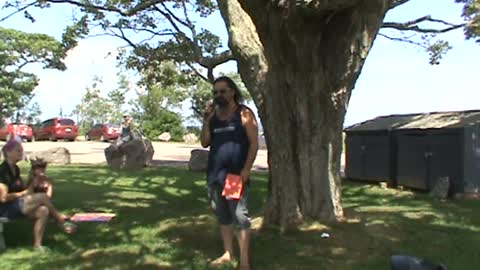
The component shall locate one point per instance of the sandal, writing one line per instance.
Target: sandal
(68, 227)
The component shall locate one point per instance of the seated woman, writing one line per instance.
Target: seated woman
(127, 131)
(16, 201)
(37, 178)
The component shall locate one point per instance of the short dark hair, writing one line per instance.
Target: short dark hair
(38, 163)
(238, 98)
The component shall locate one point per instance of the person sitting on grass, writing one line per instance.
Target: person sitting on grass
(37, 178)
(17, 201)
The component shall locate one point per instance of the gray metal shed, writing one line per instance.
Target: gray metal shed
(414, 150)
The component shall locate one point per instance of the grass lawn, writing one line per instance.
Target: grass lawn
(164, 222)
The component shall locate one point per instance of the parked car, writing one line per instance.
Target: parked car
(35, 128)
(15, 129)
(103, 132)
(57, 128)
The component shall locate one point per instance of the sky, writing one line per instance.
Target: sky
(395, 79)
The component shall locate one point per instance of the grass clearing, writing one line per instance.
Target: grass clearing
(164, 222)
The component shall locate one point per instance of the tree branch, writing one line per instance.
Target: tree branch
(321, 5)
(207, 62)
(125, 38)
(194, 44)
(246, 46)
(397, 3)
(174, 16)
(18, 10)
(154, 33)
(198, 73)
(213, 61)
(190, 25)
(179, 31)
(19, 67)
(210, 76)
(413, 25)
(403, 39)
(143, 5)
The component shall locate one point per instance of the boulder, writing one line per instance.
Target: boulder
(134, 154)
(57, 155)
(198, 160)
(190, 138)
(115, 158)
(165, 137)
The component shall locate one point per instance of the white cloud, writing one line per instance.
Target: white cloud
(64, 89)
(92, 52)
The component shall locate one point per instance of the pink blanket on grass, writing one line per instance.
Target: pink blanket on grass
(92, 217)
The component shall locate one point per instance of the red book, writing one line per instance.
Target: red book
(233, 187)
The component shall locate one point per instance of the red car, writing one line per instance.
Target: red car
(57, 128)
(16, 129)
(103, 132)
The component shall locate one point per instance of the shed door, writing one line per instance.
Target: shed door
(411, 162)
(444, 159)
(354, 157)
(377, 158)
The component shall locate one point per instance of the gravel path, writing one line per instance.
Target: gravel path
(91, 152)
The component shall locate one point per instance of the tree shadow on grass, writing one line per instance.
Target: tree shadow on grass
(164, 222)
(144, 201)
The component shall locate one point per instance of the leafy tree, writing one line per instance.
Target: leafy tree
(117, 100)
(18, 50)
(299, 60)
(93, 108)
(163, 88)
(30, 114)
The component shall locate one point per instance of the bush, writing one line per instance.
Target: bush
(195, 130)
(164, 121)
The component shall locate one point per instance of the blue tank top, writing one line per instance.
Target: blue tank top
(228, 147)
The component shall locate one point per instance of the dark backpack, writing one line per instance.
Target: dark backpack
(403, 262)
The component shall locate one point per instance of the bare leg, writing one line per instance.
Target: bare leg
(34, 201)
(227, 238)
(244, 243)
(41, 217)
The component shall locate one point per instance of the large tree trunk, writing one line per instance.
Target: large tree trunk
(300, 63)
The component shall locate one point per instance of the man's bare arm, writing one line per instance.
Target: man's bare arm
(205, 136)
(251, 128)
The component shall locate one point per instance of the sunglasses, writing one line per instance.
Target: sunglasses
(220, 91)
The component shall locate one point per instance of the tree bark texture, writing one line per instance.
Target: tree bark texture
(300, 63)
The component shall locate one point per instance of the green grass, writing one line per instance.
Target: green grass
(164, 222)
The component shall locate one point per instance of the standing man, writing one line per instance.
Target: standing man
(231, 131)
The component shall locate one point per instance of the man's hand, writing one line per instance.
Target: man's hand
(245, 175)
(207, 116)
(208, 111)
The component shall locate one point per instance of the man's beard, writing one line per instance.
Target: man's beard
(221, 101)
